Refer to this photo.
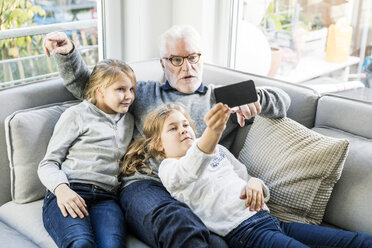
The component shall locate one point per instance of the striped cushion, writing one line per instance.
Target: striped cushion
(299, 166)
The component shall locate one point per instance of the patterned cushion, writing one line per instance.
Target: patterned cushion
(299, 166)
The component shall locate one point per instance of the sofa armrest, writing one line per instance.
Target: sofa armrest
(352, 116)
(340, 117)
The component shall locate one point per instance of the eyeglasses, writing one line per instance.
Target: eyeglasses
(178, 60)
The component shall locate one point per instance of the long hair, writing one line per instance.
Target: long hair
(104, 74)
(144, 148)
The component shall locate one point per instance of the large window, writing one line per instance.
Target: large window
(23, 24)
(283, 39)
(301, 40)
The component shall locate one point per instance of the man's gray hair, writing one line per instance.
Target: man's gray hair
(178, 32)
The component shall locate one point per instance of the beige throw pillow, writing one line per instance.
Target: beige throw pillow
(299, 166)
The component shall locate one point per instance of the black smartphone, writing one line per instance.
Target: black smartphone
(236, 94)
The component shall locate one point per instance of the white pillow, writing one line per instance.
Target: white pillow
(299, 166)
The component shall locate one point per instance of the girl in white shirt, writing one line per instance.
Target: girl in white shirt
(217, 187)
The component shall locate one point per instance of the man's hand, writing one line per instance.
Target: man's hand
(254, 195)
(247, 111)
(57, 43)
(71, 202)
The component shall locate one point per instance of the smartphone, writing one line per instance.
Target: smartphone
(236, 94)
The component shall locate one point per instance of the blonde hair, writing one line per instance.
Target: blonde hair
(104, 74)
(144, 148)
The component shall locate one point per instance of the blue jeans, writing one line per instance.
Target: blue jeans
(104, 227)
(159, 220)
(264, 230)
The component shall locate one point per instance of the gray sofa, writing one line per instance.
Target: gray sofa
(349, 205)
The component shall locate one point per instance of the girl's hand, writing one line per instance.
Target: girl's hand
(216, 120)
(254, 195)
(217, 117)
(70, 201)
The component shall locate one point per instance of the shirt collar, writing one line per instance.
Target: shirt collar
(201, 90)
(112, 117)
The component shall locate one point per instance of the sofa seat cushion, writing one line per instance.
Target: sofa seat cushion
(10, 238)
(299, 166)
(350, 204)
(27, 136)
(27, 220)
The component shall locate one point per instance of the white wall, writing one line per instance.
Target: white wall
(211, 19)
(144, 20)
(216, 31)
(188, 12)
(132, 27)
(110, 31)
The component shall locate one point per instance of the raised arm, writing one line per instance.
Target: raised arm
(71, 65)
(215, 120)
(177, 174)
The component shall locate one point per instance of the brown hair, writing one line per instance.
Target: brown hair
(104, 74)
(144, 148)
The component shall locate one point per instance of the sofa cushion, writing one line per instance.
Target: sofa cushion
(350, 204)
(27, 220)
(299, 166)
(13, 239)
(27, 136)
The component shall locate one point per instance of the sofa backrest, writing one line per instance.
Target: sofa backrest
(148, 70)
(303, 99)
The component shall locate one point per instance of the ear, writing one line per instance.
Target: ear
(99, 92)
(159, 147)
(162, 63)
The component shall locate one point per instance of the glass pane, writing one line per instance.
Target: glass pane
(22, 59)
(305, 39)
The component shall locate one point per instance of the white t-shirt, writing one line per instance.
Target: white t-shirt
(210, 184)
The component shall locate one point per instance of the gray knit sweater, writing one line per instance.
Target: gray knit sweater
(86, 147)
(150, 95)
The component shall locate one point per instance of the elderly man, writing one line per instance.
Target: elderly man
(151, 213)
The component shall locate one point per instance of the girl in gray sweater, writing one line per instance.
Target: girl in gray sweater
(82, 161)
